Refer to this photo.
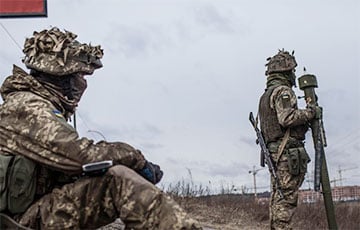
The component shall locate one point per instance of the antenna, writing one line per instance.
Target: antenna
(98, 132)
(11, 37)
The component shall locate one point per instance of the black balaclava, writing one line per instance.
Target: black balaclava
(68, 88)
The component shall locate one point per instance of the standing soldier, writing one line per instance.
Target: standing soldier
(283, 126)
(42, 181)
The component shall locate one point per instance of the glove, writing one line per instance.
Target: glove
(151, 172)
(317, 110)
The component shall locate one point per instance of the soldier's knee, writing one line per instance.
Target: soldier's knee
(120, 170)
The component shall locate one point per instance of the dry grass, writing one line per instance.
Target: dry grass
(234, 211)
(310, 215)
(242, 212)
(226, 211)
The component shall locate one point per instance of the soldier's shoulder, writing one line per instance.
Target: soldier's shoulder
(31, 96)
(281, 89)
(26, 103)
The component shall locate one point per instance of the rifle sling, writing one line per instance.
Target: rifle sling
(6, 222)
(282, 144)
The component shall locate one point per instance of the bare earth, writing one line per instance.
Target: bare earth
(234, 212)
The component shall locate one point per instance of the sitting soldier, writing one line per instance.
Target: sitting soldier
(42, 181)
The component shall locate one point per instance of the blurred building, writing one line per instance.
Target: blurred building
(340, 193)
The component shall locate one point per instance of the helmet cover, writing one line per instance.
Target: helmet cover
(58, 53)
(283, 61)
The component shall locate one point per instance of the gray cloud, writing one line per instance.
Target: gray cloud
(129, 41)
(181, 77)
(210, 17)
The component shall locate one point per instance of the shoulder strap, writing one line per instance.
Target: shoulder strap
(6, 222)
(282, 144)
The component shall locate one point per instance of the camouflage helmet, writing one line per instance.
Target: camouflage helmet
(283, 61)
(58, 53)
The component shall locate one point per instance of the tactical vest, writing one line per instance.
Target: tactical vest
(269, 123)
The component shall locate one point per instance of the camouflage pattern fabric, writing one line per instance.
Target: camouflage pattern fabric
(281, 62)
(284, 102)
(96, 201)
(278, 110)
(58, 53)
(283, 209)
(285, 105)
(32, 124)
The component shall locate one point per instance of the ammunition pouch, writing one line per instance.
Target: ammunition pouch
(297, 160)
(17, 183)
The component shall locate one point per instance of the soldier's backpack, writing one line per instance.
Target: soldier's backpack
(17, 183)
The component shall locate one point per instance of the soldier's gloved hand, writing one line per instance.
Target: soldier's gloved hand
(317, 110)
(151, 172)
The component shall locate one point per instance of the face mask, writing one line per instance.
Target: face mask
(292, 78)
(78, 86)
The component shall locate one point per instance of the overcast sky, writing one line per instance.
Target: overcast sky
(180, 77)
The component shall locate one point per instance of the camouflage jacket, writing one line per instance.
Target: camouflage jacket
(32, 124)
(278, 110)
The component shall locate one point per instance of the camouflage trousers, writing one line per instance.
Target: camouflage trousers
(93, 202)
(283, 209)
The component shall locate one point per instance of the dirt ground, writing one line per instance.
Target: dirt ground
(233, 212)
(216, 213)
(219, 213)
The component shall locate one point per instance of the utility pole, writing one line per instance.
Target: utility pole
(254, 172)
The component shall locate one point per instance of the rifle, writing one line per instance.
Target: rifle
(265, 155)
(308, 83)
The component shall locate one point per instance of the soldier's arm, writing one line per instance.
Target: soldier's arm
(285, 104)
(47, 138)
